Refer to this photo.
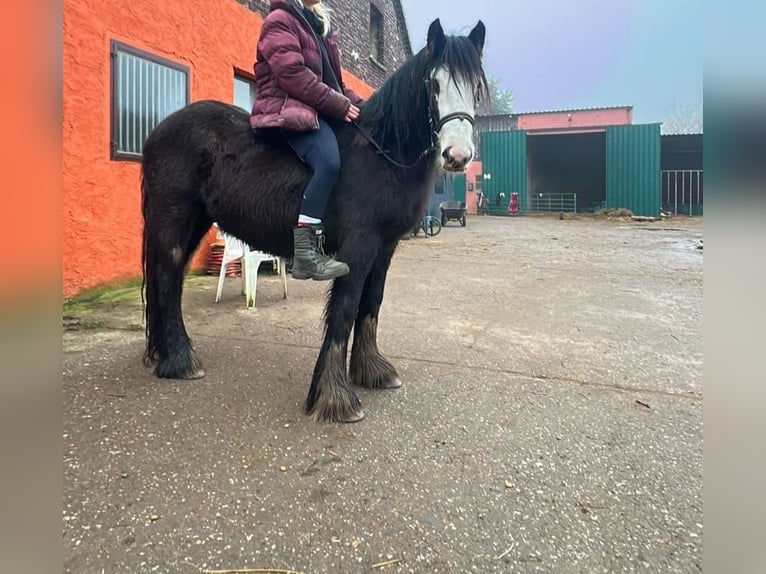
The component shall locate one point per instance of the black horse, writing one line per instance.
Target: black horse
(204, 164)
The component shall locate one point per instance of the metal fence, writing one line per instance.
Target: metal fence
(682, 191)
(552, 203)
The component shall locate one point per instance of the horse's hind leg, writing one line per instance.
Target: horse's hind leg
(169, 243)
(368, 367)
(331, 398)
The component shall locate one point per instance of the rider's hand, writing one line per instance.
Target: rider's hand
(351, 114)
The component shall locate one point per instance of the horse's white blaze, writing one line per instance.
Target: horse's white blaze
(455, 95)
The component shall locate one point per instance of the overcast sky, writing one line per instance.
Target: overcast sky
(555, 54)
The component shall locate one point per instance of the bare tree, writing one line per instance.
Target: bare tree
(683, 119)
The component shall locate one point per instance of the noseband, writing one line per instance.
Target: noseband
(433, 113)
(454, 116)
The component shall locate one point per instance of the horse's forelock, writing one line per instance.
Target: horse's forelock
(464, 62)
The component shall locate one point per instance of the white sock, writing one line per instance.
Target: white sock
(306, 220)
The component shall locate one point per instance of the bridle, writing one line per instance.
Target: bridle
(454, 116)
(435, 124)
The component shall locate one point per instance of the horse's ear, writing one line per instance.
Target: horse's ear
(436, 41)
(477, 36)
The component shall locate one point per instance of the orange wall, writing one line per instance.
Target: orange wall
(101, 201)
(582, 118)
(474, 169)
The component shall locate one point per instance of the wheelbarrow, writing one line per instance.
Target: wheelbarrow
(453, 210)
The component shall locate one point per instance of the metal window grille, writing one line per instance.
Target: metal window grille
(145, 90)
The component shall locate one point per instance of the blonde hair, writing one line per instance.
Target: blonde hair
(323, 13)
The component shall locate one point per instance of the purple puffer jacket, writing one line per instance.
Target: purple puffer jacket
(288, 72)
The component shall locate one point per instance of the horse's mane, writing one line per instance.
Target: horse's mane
(396, 116)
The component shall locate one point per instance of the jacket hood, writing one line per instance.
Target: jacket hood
(294, 6)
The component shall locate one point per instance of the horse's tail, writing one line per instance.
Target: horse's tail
(149, 283)
(174, 223)
(178, 157)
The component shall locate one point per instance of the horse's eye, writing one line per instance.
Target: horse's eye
(436, 87)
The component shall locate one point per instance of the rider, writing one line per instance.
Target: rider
(300, 90)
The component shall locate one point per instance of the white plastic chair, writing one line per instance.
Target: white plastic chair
(233, 249)
(251, 261)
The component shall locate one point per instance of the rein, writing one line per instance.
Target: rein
(434, 131)
(383, 152)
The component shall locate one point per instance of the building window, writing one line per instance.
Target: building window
(244, 92)
(376, 34)
(145, 90)
(439, 186)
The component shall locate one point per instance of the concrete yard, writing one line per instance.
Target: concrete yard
(550, 418)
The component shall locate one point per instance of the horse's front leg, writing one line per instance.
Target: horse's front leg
(331, 398)
(368, 367)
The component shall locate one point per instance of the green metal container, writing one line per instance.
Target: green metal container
(504, 167)
(633, 168)
(458, 187)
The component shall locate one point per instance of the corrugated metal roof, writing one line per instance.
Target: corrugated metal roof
(517, 114)
(596, 109)
(493, 116)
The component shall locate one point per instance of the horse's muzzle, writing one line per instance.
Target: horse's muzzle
(456, 158)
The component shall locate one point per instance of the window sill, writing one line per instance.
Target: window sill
(126, 156)
(375, 62)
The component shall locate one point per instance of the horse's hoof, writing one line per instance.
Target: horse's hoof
(382, 383)
(355, 417)
(394, 383)
(162, 372)
(352, 417)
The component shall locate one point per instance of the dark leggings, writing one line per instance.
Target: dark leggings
(319, 149)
